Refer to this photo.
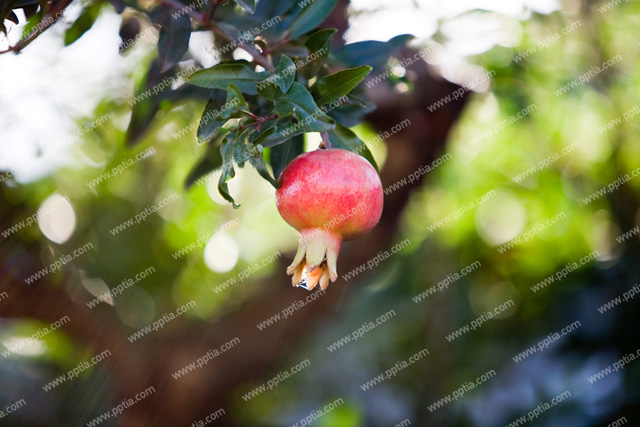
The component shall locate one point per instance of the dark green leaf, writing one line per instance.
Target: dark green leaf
(373, 53)
(210, 122)
(279, 82)
(228, 172)
(269, 91)
(249, 5)
(299, 103)
(334, 86)
(82, 24)
(257, 160)
(284, 74)
(145, 107)
(352, 112)
(280, 131)
(283, 154)
(173, 40)
(342, 137)
(235, 104)
(267, 9)
(211, 161)
(219, 76)
(12, 17)
(319, 44)
(312, 15)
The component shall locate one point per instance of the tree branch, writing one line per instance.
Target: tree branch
(49, 19)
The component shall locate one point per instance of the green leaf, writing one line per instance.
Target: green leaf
(211, 121)
(228, 172)
(219, 76)
(267, 9)
(283, 154)
(299, 103)
(81, 25)
(257, 160)
(270, 92)
(342, 137)
(311, 16)
(352, 112)
(319, 45)
(281, 131)
(235, 106)
(334, 86)
(284, 74)
(174, 36)
(211, 161)
(279, 82)
(373, 53)
(144, 110)
(248, 5)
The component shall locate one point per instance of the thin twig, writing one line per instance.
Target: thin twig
(281, 43)
(259, 121)
(49, 19)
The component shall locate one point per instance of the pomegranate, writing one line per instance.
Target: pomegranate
(328, 196)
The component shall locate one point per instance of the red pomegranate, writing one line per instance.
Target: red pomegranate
(328, 196)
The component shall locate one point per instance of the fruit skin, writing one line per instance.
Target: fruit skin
(329, 196)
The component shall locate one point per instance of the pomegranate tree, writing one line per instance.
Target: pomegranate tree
(328, 195)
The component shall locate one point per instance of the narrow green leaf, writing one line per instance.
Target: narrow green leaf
(81, 25)
(228, 172)
(281, 132)
(312, 15)
(211, 121)
(257, 160)
(235, 105)
(352, 112)
(283, 154)
(248, 5)
(299, 103)
(144, 110)
(373, 53)
(173, 40)
(334, 86)
(319, 45)
(342, 137)
(11, 16)
(219, 76)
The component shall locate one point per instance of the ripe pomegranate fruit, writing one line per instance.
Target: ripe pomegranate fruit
(328, 196)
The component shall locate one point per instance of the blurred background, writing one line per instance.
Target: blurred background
(520, 223)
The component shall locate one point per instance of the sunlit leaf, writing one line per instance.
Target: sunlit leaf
(81, 25)
(334, 86)
(219, 76)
